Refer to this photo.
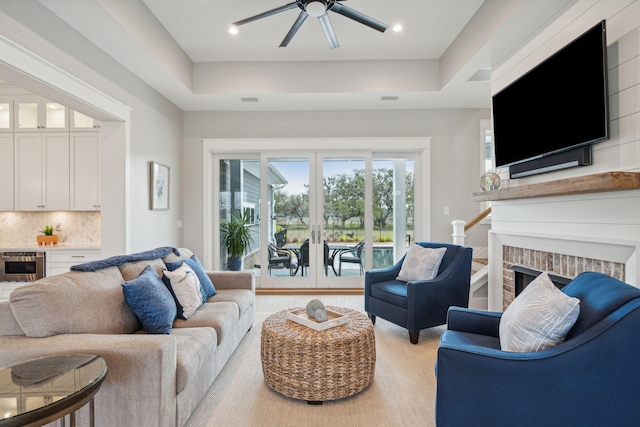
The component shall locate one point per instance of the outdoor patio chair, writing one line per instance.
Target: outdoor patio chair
(279, 259)
(352, 256)
(303, 258)
(281, 238)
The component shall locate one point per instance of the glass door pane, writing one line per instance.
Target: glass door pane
(290, 225)
(5, 115)
(55, 116)
(290, 233)
(28, 115)
(240, 200)
(343, 216)
(393, 209)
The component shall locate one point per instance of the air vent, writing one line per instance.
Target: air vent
(389, 98)
(249, 99)
(481, 75)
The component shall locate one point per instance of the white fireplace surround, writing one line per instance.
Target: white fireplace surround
(605, 226)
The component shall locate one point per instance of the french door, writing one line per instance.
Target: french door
(320, 201)
(319, 218)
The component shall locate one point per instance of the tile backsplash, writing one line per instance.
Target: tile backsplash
(75, 227)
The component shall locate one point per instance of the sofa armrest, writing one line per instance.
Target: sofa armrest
(233, 279)
(140, 387)
(474, 321)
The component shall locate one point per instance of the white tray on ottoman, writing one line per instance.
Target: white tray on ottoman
(301, 317)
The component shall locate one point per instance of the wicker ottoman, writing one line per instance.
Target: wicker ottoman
(315, 366)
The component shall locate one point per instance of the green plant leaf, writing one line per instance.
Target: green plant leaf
(236, 235)
(48, 230)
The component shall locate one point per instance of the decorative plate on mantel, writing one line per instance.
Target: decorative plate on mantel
(490, 181)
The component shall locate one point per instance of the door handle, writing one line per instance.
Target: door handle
(313, 234)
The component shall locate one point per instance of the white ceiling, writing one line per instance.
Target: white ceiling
(183, 49)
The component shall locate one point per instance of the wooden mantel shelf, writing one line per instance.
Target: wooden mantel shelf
(608, 181)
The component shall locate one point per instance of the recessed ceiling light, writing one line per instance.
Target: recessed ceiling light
(397, 28)
(233, 29)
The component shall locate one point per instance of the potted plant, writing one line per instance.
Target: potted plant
(236, 238)
(48, 237)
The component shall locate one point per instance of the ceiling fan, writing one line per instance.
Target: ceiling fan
(319, 9)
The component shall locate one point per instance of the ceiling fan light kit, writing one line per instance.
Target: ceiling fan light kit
(318, 9)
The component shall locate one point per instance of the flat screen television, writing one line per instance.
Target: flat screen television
(559, 105)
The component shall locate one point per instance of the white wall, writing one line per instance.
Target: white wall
(154, 133)
(454, 151)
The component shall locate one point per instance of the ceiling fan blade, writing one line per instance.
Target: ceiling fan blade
(328, 31)
(359, 17)
(294, 29)
(267, 13)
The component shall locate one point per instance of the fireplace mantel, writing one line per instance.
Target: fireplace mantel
(607, 181)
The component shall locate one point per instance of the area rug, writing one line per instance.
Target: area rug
(402, 392)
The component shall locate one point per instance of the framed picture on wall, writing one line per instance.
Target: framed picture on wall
(159, 187)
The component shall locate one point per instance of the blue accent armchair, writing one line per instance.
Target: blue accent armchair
(591, 379)
(420, 304)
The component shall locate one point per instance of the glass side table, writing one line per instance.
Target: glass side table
(39, 391)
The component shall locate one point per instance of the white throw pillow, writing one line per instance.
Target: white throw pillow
(540, 317)
(421, 263)
(186, 288)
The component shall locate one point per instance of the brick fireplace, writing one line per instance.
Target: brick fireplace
(564, 227)
(568, 266)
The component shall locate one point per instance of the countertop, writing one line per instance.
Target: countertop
(34, 247)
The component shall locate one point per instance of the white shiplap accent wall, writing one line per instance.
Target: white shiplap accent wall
(599, 225)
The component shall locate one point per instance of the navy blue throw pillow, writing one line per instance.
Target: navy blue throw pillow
(151, 302)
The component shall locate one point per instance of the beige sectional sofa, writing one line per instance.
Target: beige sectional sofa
(152, 380)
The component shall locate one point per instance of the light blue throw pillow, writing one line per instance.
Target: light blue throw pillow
(539, 318)
(151, 302)
(206, 285)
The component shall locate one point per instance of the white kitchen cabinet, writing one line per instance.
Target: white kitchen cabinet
(7, 287)
(82, 122)
(33, 113)
(6, 171)
(41, 171)
(6, 115)
(85, 171)
(58, 262)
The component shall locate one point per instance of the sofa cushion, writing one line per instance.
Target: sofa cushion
(242, 297)
(8, 324)
(540, 317)
(131, 270)
(193, 347)
(74, 303)
(151, 301)
(421, 263)
(185, 290)
(222, 316)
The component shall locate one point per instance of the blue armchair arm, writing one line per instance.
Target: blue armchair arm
(382, 275)
(474, 321)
